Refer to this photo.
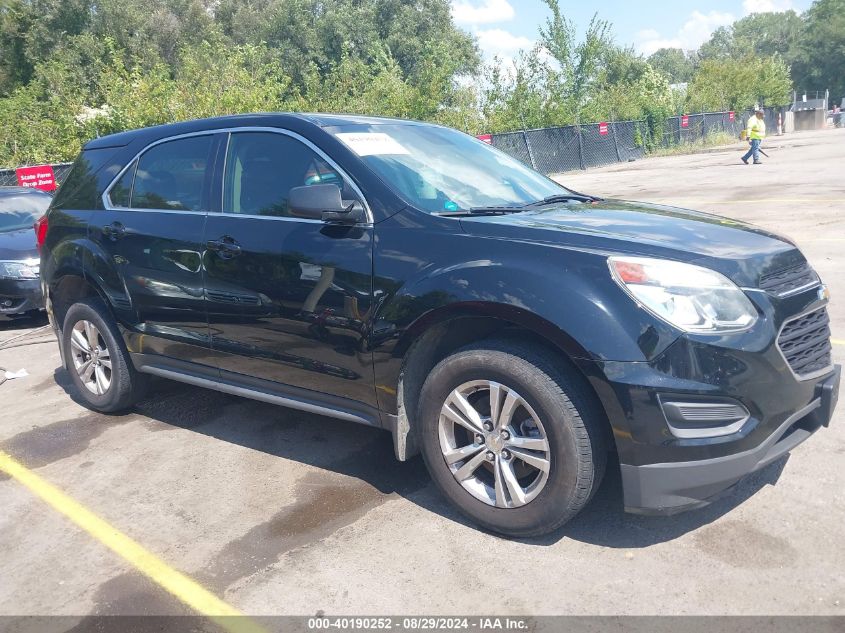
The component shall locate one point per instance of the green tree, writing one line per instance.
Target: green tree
(16, 19)
(311, 40)
(760, 34)
(675, 64)
(822, 50)
(578, 63)
(736, 84)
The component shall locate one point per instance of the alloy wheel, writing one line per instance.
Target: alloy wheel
(91, 357)
(494, 444)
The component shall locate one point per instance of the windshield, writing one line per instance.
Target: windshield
(20, 211)
(441, 170)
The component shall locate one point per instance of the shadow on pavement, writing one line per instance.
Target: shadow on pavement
(366, 454)
(10, 326)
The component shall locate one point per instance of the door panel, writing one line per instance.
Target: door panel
(154, 239)
(288, 299)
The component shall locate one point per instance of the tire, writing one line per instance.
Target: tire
(102, 388)
(548, 401)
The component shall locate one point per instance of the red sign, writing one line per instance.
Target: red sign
(37, 177)
(603, 129)
(487, 138)
(685, 121)
(730, 116)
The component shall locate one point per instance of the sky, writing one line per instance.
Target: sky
(503, 27)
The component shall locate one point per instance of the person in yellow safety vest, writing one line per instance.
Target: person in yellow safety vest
(755, 132)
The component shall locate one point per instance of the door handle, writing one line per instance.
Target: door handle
(225, 247)
(114, 231)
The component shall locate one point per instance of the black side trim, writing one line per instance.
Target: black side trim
(258, 389)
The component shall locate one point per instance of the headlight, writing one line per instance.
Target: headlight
(27, 269)
(693, 298)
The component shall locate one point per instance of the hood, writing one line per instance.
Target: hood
(741, 251)
(18, 245)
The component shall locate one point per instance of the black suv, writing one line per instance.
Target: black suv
(410, 277)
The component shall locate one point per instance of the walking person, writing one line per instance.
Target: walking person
(755, 132)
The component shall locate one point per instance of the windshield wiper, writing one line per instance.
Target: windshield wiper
(494, 209)
(489, 210)
(563, 197)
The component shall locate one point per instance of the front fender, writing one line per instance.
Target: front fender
(577, 307)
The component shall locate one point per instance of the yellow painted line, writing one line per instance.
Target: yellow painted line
(178, 584)
(837, 341)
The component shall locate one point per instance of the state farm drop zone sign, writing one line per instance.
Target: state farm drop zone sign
(37, 177)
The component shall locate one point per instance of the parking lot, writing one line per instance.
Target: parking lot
(275, 511)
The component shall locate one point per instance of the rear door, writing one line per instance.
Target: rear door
(152, 233)
(288, 298)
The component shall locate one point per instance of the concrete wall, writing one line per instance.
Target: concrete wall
(809, 120)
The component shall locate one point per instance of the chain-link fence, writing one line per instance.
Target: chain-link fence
(559, 149)
(9, 178)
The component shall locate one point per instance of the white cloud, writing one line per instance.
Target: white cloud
(501, 42)
(700, 26)
(493, 42)
(648, 34)
(766, 6)
(692, 34)
(467, 12)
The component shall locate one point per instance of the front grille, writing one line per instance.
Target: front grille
(788, 280)
(805, 343)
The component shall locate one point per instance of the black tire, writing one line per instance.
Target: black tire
(127, 386)
(575, 428)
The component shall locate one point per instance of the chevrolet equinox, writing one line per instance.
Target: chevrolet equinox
(412, 278)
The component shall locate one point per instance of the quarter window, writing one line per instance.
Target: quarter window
(262, 168)
(172, 175)
(121, 192)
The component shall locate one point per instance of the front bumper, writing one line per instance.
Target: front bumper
(19, 296)
(667, 488)
(664, 472)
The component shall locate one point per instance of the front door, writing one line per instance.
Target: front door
(153, 234)
(288, 298)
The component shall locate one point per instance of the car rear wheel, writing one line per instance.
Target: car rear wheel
(97, 359)
(511, 437)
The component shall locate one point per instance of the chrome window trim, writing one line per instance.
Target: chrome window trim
(274, 130)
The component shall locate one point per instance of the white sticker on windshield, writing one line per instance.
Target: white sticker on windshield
(371, 143)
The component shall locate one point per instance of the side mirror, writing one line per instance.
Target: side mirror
(324, 202)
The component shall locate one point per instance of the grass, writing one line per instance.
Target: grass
(711, 140)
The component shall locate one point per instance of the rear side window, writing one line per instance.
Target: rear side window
(169, 176)
(91, 173)
(262, 168)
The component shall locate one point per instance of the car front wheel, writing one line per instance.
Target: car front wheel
(511, 437)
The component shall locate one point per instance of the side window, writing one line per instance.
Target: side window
(121, 191)
(262, 168)
(172, 175)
